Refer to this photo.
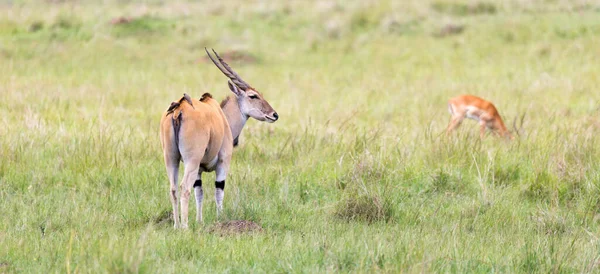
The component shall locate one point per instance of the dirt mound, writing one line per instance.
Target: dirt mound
(234, 56)
(235, 227)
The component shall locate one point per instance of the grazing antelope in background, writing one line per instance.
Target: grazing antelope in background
(473, 107)
(202, 133)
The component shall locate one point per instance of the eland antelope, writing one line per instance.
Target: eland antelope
(473, 107)
(202, 133)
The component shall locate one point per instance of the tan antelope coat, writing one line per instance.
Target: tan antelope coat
(201, 133)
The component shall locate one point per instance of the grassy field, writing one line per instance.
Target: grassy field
(354, 177)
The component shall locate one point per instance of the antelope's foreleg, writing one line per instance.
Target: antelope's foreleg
(199, 197)
(482, 127)
(455, 122)
(221, 170)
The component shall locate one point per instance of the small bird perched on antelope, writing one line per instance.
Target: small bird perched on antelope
(473, 107)
(202, 133)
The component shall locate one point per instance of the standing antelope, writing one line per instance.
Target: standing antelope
(202, 133)
(473, 107)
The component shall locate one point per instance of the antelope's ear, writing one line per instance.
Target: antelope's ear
(234, 89)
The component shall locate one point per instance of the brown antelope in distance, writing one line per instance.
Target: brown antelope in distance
(473, 107)
(202, 133)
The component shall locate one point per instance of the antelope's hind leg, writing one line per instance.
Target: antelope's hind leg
(172, 171)
(172, 165)
(189, 177)
(455, 122)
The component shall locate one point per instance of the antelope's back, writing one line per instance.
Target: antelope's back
(201, 123)
(474, 101)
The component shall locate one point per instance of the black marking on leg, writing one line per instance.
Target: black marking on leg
(198, 183)
(220, 185)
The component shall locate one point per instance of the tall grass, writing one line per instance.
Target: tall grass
(356, 176)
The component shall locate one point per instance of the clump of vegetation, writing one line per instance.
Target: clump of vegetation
(66, 22)
(66, 26)
(505, 175)
(398, 27)
(164, 218)
(542, 187)
(141, 26)
(447, 183)
(574, 33)
(449, 30)
(549, 223)
(362, 20)
(365, 208)
(36, 26)
(463, 9)
(4, 266)
(366, 18)
(530, 261)
(229, 228)
(365, 170)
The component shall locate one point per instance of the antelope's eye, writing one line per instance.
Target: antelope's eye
(253, 96)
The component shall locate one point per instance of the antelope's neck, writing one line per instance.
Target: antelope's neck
(234, 116)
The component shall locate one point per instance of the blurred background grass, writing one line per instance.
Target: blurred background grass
(353, 177)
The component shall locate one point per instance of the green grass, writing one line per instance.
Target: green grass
(354, 177)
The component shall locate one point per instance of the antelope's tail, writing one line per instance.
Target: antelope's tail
(177, 115)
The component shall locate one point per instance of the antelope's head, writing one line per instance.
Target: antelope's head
(250, 101)
(508, 135)
(503, 132)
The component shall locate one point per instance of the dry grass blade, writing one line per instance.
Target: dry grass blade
(516, 129)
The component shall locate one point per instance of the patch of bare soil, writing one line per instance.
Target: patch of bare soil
(235, 227)
(234, 56)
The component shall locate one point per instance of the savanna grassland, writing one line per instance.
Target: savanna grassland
(356, 176)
